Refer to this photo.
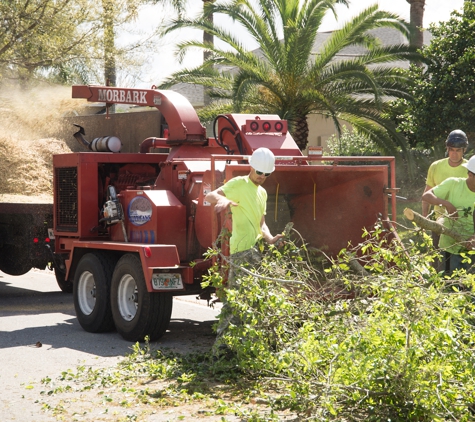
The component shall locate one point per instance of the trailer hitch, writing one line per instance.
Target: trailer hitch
(57, 262)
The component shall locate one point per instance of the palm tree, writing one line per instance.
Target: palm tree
(110, 71)
(207, 39)
(417, 16)
(284, 76)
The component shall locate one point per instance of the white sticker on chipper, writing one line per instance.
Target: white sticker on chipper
(139, 211)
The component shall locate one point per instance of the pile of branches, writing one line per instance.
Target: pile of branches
(391, 341)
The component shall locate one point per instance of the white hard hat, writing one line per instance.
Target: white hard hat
(470, 164)
(263, 160)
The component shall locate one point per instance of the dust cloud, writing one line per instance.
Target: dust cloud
(29, 122)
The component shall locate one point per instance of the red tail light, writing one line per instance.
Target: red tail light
(254, 126)
(268, 126)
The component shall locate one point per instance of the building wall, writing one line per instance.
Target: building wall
(320, 129)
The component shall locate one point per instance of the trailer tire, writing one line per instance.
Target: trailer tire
(91, 291)
(14, 263)
(66, 286)
(137, 313)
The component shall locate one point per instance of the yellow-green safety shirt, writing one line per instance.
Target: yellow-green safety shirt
(439, 171)
(456, 191)
(247, 215)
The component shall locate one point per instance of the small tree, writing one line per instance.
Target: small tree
(444, 93)
(40, 35)
(350, 143)
(68, 41)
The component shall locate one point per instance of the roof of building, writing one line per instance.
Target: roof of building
(387, 36)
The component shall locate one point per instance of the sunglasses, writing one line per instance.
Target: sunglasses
(260, 173)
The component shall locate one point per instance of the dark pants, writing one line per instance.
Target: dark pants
(442, 264)
(455, 263)
(244, 259)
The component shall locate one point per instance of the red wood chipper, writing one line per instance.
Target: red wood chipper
(131, 228)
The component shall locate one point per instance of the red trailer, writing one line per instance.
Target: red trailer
(24, 237)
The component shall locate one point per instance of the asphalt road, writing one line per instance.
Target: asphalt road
(34, 311)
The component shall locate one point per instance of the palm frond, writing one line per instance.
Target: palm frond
(284, 77)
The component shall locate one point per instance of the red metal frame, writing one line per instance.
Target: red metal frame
(318, 192)
(160, 256)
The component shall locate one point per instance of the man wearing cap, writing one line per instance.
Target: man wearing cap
(247, 200)
(456, 144)
(457, 196)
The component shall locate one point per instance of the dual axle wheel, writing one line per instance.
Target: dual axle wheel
(110, 293)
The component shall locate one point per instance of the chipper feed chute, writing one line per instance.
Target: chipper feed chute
(328, 204)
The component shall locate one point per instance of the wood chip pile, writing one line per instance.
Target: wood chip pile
(27, 121)
(26, 167)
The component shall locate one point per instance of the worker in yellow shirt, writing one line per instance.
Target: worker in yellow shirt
(451, 166)
(456, 195)
(247, 199)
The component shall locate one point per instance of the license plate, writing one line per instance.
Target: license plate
(167, 281)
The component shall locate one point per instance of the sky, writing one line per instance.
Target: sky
(164, 63)
(435, 10)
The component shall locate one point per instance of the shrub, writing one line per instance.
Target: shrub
(351, 144)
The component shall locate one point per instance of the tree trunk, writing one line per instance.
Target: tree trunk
(300, 132)
(207, 38)
(417, 17)
(110, 74)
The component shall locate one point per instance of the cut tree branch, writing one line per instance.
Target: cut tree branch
(433, 226)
